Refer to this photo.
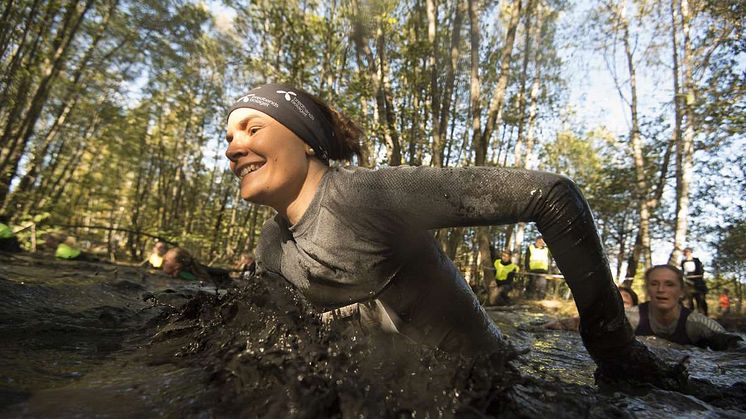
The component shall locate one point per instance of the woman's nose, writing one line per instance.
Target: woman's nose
(235, 151)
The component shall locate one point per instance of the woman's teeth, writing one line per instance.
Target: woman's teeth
(248, 169)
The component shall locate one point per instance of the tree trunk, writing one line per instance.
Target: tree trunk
(685, 143)
(377, 70)
(474, 81)
(50, 71)
(636, 144)
(494, 117)
(494, 113)
(524, 76)
(441, 109)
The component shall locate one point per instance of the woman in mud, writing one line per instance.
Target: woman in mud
(179, 263)
(665, 317)
(353, 235)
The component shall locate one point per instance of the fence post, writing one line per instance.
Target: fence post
(33, 237)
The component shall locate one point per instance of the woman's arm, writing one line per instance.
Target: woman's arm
(425, 197)
(704, 331)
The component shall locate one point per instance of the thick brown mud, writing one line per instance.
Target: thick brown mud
(94, 339)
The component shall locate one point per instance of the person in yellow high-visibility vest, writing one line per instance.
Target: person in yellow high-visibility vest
(537, 262)
(67, 249)
(155, 260)
(505, 271)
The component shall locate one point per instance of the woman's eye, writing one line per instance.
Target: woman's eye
(253, 130)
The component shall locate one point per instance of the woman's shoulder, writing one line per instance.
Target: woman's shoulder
(697, 319)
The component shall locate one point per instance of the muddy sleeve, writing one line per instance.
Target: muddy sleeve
(269, 249)
(705, 331)
(429, 197)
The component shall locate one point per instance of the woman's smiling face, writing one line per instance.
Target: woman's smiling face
(269, 159)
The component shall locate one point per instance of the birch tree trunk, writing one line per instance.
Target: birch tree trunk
(685, 143)
(494, 117)
(441, 98)
(641, 183)
(494, 113)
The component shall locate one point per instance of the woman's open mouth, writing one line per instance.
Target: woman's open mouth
(245, 170)
(661, 299)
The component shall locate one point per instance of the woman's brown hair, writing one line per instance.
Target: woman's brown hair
(347, 135)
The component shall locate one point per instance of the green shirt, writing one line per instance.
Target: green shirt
(502, 271)
(66, 252)
(187, 276)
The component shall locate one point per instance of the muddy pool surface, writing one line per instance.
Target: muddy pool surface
(101, 340)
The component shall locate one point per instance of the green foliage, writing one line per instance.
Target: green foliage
(731, 256)
(125, 131)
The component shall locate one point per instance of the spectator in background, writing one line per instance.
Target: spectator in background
(155, 260)
(505, 271)
(629, 297)
(179, 263)
(694, 273)
(537, 261)
(66, 248)
(724, 303)
(8, 240)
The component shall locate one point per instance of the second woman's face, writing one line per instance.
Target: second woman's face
(269, 159)
(664, 289)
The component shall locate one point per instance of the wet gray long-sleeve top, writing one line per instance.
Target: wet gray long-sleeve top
(364, 237)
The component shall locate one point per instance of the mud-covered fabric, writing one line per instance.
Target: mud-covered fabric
(364, 236)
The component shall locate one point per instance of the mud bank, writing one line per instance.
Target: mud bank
(87, 339)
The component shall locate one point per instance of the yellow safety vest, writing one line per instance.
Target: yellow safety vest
(502, 271)
(66, 252)
(155, 260)
(539, 258)
(5, 231)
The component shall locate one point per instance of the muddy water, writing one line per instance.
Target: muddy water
(87, 339)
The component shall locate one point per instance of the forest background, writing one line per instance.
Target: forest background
(112, 113)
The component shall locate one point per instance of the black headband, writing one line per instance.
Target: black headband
(293, 109)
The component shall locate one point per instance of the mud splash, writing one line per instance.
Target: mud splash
(104, 340)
